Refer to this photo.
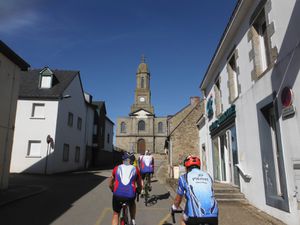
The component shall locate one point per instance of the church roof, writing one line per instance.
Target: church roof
(140, 109)
(143, 67)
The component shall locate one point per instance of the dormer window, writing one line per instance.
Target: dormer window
(46, 77)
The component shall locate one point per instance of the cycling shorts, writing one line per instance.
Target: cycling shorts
(144, 175)
(203, 220)
(117, 202)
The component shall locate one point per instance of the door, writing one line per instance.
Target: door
(141, 146)
(216, 159)
(232, 139)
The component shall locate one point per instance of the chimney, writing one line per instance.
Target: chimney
(194, 100)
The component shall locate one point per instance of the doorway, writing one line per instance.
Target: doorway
(225, 157)
(141, 146)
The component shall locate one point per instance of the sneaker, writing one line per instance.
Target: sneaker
(133, 222)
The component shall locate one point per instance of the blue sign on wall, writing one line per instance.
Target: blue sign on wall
(209, 108)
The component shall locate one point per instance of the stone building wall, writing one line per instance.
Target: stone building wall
(185, 138)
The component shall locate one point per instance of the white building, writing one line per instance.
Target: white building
(109, 133)
(54, 123)
(250, 132)
(10, 71)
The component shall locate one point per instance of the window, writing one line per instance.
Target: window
(66, 152)
(160, 127)
(46, 77)
(77, 154)
(34, 149)
(272, 159)
(232, 78)
(218, 103)
(70, 119)
(46, 81)
(262, 46)
(123, 127)
(108, 138)
(141, 125)
(38, 110)
(142, 82)
(95, 129)
(79, 123)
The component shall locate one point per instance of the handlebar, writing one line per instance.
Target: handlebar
(173, 212)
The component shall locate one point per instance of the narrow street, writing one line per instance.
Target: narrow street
(79, 199)
(83, 198)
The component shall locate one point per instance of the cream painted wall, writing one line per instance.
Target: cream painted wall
(9, 88)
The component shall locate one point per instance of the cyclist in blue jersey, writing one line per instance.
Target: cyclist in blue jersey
(197, 187)
(124, 182)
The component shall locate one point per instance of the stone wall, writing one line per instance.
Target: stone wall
(185, 138)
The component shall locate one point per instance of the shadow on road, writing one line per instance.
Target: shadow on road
(154, 198)
(62, 192)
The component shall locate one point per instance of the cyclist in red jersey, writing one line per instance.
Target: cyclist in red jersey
(124, 182)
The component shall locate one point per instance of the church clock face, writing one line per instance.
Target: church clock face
(142, 99)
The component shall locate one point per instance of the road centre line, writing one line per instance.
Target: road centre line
(103, 214)
(164, 219)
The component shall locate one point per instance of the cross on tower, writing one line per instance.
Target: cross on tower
(143, 58)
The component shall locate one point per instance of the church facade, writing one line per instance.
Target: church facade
(142, 130)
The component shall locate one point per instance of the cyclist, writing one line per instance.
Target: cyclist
(132, 159)
(197, 186)
(146, 165)
(123, 184)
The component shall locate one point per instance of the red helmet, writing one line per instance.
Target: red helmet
(192, 161)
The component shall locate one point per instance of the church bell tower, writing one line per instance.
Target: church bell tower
(142, 95)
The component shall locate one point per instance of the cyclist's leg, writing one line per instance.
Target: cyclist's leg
(132, 209)
(115, 218)
(117, 205)
(182, 221)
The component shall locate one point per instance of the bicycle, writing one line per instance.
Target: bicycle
(124, 214)
(205, 221)
(147, 188)
(173, 212)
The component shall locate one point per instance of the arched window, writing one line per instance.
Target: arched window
(141, 125)
(160, 127)
(123, 127)
(142, 82)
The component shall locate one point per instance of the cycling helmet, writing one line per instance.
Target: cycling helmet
(192, 161)
(125, 156)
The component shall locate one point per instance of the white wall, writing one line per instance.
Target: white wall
(9, 87)
(108, 146)
(70, 135)
(28, 128)
(285, 73)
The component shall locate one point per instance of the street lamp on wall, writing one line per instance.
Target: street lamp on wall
(65, 96)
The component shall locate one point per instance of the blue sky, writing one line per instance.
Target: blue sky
(105, 39)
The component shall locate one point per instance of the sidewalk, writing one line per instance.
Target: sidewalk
(229, 213)
(18, 192)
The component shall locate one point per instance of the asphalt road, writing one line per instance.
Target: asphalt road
(81, 198)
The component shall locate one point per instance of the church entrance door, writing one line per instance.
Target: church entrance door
(141, 146)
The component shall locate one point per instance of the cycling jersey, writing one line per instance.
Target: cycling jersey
(146, 164)
(197, 185)
(125, 177)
